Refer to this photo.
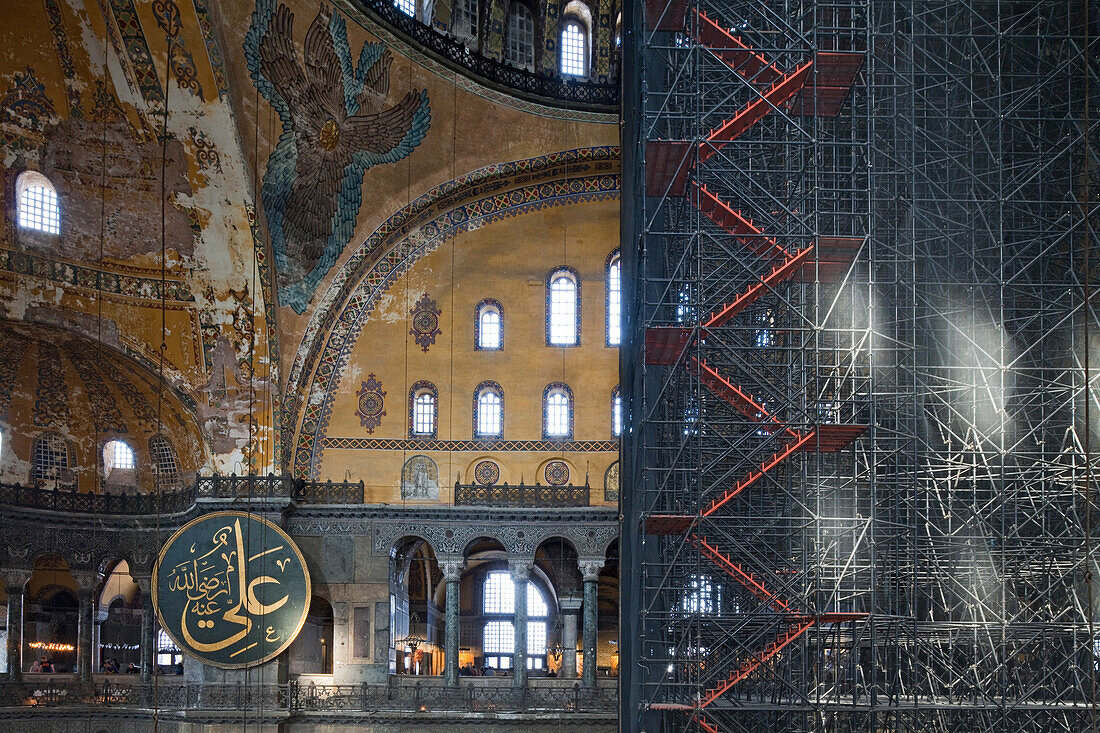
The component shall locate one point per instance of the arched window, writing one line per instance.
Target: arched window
(574, 47)
(499, 635)
(563, 308)
(39, 208)
(118, 455)
(51, 458)
(488, 410)
(423, 410)
(519, 37)
(165, 467)
(616, 413)
(557, 412)
(464, 19)
(489, 326)
(614, 300)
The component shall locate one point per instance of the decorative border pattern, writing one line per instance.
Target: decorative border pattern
(577, 281)
(138, 51)
(529, 446)
(347, 323)
(64, 56)
(418, 387)
(488, 384)
(545, 413)
(477, 324)
(77, 276)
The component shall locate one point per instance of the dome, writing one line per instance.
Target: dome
(81, 396)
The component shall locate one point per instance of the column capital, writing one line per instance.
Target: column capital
(520, 569)
(590, 568)
(144, 583)
(451, 567)
(15, 579)
(85, 582)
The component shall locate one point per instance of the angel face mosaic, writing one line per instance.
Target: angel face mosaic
(231, 589)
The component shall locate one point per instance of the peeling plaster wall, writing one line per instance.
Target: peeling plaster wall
(81, 113)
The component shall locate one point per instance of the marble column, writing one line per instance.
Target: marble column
(570, 609)
(85, 650)
(452, 574)
(521, 571)
(148, 630)
(15, 582)
(590, 571)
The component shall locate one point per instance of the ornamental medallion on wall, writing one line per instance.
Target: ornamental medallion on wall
(371, 405)
(425, 322)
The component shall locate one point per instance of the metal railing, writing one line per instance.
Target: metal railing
(294, 697)
(68, 499)
(570, 93)
(521, 495)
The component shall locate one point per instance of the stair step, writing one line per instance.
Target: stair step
(776, 95)
(667, 164)
(733, 51)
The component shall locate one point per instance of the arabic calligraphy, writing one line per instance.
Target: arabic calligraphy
(232, 589)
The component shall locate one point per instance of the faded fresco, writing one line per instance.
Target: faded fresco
(335, 127)
(420, 480)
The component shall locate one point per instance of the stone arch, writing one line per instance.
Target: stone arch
(393, 248)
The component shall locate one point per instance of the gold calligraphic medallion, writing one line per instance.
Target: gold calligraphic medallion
(231, 589)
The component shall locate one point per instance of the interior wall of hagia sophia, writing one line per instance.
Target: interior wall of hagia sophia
(241, 270)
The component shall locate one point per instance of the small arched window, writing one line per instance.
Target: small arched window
(423, 410)
(557, 412)
(563, 308)
(614, 300)
(489, 326)
(464, 19)
(39, 207)
(616, 413)
(118, 456)
(165, 466)
(519, 37)
(574, 47)
(51, 458)
(488, 410)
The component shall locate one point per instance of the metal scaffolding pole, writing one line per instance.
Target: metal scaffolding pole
(855, 240)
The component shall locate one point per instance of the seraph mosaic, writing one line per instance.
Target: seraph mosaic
(334, 129)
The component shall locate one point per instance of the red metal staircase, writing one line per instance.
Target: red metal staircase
(817, 86)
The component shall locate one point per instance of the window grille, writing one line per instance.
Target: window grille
(519, 47)
(614, 303)
(39, 207)
(489, 413)
(573, 42)
(51, 457)
(164, 462)
(563, 310)
(557, 414)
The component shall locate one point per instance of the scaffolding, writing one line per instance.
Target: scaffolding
(856, 470)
